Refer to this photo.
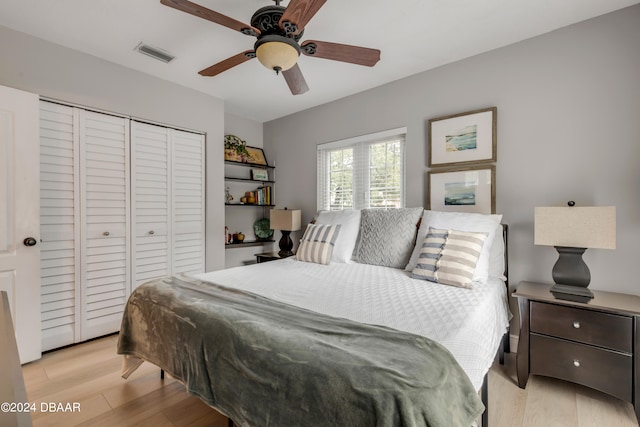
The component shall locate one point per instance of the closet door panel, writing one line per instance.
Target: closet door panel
(151, 179)
(188, 214)
(59, 225)
(106, 216)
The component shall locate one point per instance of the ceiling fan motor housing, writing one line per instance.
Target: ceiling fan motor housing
(267, 19)
(275, 48)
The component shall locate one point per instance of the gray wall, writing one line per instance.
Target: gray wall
(568, 129)
(53, 71)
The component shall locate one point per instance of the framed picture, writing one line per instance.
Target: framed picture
(260, 174)
(468, 189)
(463, 138)
(253, 155)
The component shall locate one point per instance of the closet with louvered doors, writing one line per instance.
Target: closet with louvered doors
(122, 202)
(84, 216)
(167, 201)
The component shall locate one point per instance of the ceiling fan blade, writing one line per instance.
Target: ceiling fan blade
(231, 62)
(299, 13)
(210, 15)
(295, 80)
(341, 52)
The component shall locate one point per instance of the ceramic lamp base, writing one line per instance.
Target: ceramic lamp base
(571, 275)
(286, 244)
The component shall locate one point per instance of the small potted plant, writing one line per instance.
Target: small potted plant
(235, 149)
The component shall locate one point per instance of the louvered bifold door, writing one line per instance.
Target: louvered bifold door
(59, 225)
(150, 202)
(188, 213)
(105, 206)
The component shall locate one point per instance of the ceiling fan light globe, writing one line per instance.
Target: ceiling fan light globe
(277, 55)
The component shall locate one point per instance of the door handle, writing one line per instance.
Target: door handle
(30, 241)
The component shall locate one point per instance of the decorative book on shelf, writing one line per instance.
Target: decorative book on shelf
(261, 196)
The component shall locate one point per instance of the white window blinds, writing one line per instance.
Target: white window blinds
(362, 172)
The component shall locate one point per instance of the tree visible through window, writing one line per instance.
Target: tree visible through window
(363, 172)
(341, 179)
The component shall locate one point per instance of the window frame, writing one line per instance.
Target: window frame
(361, 167)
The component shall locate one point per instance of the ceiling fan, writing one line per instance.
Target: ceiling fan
(278, 30)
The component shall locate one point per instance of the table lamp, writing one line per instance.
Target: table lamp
(285, 220)
(571, 230)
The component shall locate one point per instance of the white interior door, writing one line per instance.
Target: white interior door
(19, 215)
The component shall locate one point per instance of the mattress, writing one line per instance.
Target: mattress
(470, 323)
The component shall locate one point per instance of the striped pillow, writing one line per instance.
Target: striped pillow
(449, 257)
(317, 243)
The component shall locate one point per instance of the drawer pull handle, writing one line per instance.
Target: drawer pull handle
(576, 363)
(152, 232)
(576, 325)
(106, 233)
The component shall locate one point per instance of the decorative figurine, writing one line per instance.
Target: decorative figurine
(228, 198)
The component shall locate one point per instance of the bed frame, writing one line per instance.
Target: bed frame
(505, 346)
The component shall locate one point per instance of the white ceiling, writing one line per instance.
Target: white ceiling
(413, 35)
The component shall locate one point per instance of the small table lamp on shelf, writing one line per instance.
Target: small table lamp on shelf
(571, 230)
(285, 220)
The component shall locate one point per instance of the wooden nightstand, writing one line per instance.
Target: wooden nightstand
(268, 256)
(596, 344)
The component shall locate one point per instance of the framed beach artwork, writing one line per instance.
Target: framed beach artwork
(467, 189)
(463, 138)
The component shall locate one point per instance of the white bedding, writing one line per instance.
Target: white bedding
(468, 322)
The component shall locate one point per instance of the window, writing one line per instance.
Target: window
(362, 172)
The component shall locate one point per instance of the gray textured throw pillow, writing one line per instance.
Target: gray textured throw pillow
(387, 236)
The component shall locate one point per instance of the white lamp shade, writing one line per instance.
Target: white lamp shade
(285, 219)
(577, 227)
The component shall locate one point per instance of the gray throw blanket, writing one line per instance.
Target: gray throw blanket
(265, 363)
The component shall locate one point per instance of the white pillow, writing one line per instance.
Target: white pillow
(350, 226)
(496, 256)
(462, 221)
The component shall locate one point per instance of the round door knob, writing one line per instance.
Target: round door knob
(576, 325)
(576, 363)
(152, 232)
(30, 241)
(106, 233)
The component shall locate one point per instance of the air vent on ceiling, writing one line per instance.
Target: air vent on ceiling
(154, 52)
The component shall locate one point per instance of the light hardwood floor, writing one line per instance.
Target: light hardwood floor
(89, 374)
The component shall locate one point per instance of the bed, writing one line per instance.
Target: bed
(340, 330)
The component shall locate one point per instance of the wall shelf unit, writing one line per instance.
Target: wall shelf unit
(248, 243)
(250, 205)
(238, 181)
(246, 180)
(249, 165)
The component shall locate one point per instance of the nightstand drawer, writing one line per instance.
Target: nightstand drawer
(604, 370)
(586, 326)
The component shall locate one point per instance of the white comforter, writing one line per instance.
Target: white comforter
(468, 322)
